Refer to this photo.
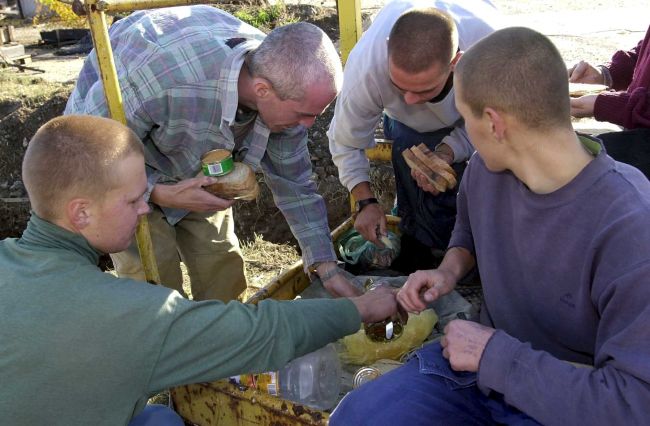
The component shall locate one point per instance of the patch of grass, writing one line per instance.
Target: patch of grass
(266, 18)
(264, 261)
(29, 90)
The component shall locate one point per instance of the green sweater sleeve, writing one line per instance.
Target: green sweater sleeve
(211, 340)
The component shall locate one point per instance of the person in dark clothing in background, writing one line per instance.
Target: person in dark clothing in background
(627, 105)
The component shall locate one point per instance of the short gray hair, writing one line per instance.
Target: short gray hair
(294, 57)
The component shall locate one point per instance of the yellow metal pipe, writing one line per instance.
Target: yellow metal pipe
(99, 32)
(380, 152)
(349, 25)
(130, 5)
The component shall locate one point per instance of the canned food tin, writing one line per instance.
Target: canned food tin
(217, 162)
(364, 375)
(371, 372)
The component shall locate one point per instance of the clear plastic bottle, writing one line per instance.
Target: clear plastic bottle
(313, 379)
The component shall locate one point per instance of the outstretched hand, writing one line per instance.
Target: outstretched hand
(583, 106)
(423, 287)
(583, 72)
(377, 304)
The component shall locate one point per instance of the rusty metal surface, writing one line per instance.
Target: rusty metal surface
(224, 403)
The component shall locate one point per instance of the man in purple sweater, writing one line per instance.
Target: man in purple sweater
(627, 104)
(561, 235)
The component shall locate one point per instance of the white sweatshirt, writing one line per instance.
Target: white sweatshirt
(367, 90)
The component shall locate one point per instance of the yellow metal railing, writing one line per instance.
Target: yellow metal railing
(349, 25)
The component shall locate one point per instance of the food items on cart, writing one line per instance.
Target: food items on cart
(313, 379)
(359, 349)
(437, 172)
(582, 89)
(374, 370)
(235, 181)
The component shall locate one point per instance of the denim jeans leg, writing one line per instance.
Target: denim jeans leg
(425, 391)
(157, 415)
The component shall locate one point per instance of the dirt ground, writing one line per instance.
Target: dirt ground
(28, 99)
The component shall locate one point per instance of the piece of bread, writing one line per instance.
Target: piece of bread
(582, 89)
(240, 184)
(436, 164)
(437, 181)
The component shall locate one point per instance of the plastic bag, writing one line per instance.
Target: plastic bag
(356, 250)
(358, 349)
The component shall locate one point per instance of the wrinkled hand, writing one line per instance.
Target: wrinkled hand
(423, 287)
(463, 344)
(377, 304)
(367, 221)
(340, 286)
(583, 72)
(189, 194)
(583, 106)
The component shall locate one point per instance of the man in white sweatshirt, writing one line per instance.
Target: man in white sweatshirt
(402, 67)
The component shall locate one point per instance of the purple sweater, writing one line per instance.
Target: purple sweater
(629, 105)
(566, 277)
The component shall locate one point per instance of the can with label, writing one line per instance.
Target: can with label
(371, 372)
(267, 382)
(217, 162)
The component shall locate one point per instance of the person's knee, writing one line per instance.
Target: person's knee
(157, 415)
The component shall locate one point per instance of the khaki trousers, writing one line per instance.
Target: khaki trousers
(205, 242)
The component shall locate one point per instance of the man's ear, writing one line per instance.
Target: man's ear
(497, 123)
(78, 213)
(455, 59)
(262, 87)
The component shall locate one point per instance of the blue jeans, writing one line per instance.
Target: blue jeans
(427, 217)
(425, 391)
(157, 415)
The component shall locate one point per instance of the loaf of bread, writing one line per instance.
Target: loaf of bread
(240, 184)
(581, 89)
(439, 174)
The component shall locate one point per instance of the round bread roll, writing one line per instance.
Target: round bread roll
(240, 184)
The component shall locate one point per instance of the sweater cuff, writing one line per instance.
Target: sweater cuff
(607, 76)
(350, 316)
(612, 107)
(497, 359)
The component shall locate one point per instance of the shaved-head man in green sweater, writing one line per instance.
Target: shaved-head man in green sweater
(80, 346)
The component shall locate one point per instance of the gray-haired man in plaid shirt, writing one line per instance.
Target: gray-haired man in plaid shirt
(194, 79)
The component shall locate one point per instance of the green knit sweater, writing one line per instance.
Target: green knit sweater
(79, 346)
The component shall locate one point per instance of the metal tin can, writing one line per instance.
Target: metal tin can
(217, 162)
(364, 375)
(371, 372)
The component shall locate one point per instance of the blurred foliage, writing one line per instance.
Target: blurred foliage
(61, 10)
(266, 17)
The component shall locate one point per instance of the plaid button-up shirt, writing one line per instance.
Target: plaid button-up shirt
(178, 70)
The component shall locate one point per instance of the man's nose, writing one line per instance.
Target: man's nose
(411, 98)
